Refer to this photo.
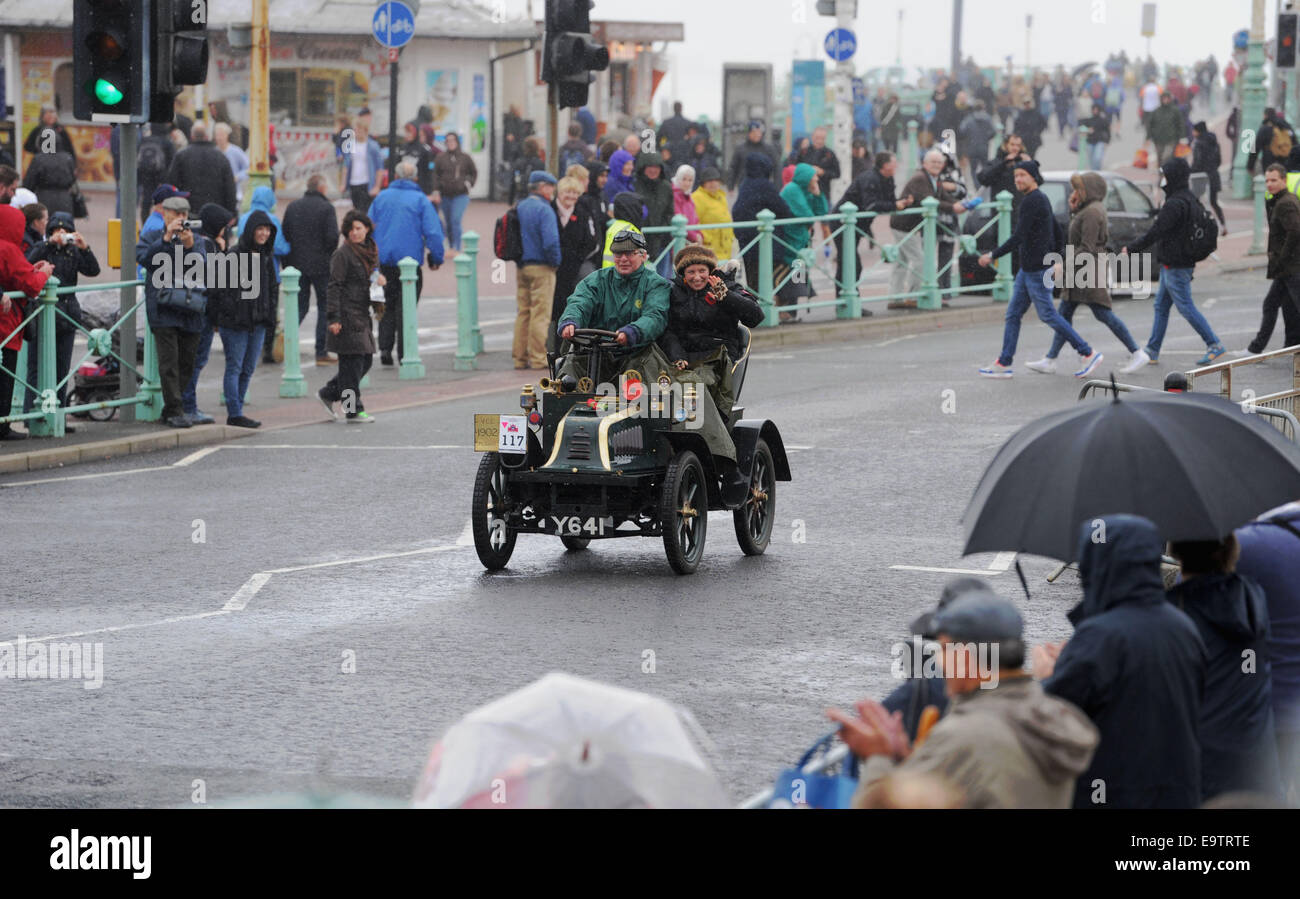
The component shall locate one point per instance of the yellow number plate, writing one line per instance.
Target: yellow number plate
(487, 431)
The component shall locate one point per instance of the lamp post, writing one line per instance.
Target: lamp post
(1252, 101)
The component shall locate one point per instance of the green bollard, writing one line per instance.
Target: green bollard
(151, 389)
(765, 228)
(679, 234)
(909, 148)
(470, 241)
(20, 392)
(850, 303)
(930, 298)
(1003, 281)
(1258, 243)
(1083, 148)
(292, 383)
(411, 367)
(46, 399)
(465, 355)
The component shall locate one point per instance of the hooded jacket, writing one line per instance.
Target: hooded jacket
(627, 214)
(16, 273)
(70, 262)
(51, 176)
(635, 303)
(1270, 555)
(684, 205)
(311, 228)
(243, 313)
(740, 160)
(657, 194)
(617, 183)
(204, 171)
(1174, 219)
(1283, 235)
(757, 192)
(803, 203)
(1136, 667)
(1088, 234)
(264, 200)
(1165, 124)
(1238, 744)
(711, 207)
(406, 225)
(1012, 746)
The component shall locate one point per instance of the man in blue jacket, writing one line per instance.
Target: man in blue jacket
(405, 225)
(1037, 236)
(539, 230)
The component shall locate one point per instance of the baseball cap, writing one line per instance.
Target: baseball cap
(178, 204)
(755, 123)
(540, 177)
(980, 617)
(953, 590)
(627, 241)
(167, 191)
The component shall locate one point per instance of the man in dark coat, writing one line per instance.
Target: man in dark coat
(873, 191)
(204, 171)
(757, 192)
(312, 229)
(674, 127)
(1283, 261)
(1030, 125)
(51, 176)
(36, 142)
(973, 136)
(740, 158)
(1136, 667)
(819, 155)
(657, 195)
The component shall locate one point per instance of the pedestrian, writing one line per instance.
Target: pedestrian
(874, 192)
(1063, 101)
(1150, 97)
(516, 130)
(264, 201)
(582, 237)
(973, 136)
(1136, 667)
(675, 126)
(154, 221)
(153, 159)
(215, 234)
(890, 121)
(1206, 158)
(1113, 97)
(456, 175)
(1036, 237)
(757, 192)
(859, 163)
(175, 310)
(528, 162)
(60, 141)
(37, 218)
(622, 174)
(311, 228)
(1172, 229)
(684, 203)
(66, 249)
(53, 178)
(1283, 261)
(1004, 743)
(626, 214)
(594, 196)
(711, 207)
(1238, 741)
(1098, 125)
(405, 225)
(1030, 125)
(364, 163)
(415, 150)
(1270, 556)
(575, 151)
(703, 154)
(8, 184)
(926, 182)
(535, 286)
(245, 319)
(822, 158)
(204, 172)
(946, 117)
(1165, 126)
(1088, 237)
(753, 143)
(803, 195)
(354, 267)
(16, 273)
(657, 195)
(235, 155)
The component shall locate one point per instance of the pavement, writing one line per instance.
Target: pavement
(494, 371)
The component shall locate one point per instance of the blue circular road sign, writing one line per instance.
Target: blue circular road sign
(840, 44)
(393, 24)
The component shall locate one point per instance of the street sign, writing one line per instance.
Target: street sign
(1148, 20)
(1241, 39)
(840, 44)
(393, 24)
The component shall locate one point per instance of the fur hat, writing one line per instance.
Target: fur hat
(695, 254)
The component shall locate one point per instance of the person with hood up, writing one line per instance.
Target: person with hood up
(594, 198)
(622, 174)
(264, 201)
(456, 176)
(754, 143)
(216, 222)
(1206, 158)
(757, 192)
(244, 321)
(711, 207)
(1172, 229)
(1238, 742)
(1088, 234)
(684, 203)
(71, 257)
(657, 195)
(627, 214)
(973, 136)
(804, 197)
(1004, 743)
(16, 273)
(354, 267)
(1136, 667)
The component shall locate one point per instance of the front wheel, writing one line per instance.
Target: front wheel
(575, 544)
(754, 519)
(684, 512)
(493, 540)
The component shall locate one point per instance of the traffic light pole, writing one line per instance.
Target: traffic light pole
(392, 118)
(553, 129)
(128, 144)
(259, 126)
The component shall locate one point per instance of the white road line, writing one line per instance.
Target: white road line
(375, 558)
(85, 477)
(196, 456)
(1208, 304)
(791, 446)
(1002, 561)
(126, 627)
(466, 537)
(239, 601)
(893, 340)
(984, 571)
(344, 446)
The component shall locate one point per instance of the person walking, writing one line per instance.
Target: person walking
(404, 225)
(822, 158)
(1030, 125)
(423, 156)
(237, 158)
(52, 177)
(657, 195)
(311, 228)
(1165, 127)
(1098, 125)
(874, 192)
(1036, 237)
(1283, 261)
(581, 239)
(753, 143)
(973, 136)
(16, 273)
(1206, 158)
(354, 267)
(711, 206)
(245, 320)
(889, 121)
(363, 161)
(927, 182)
(1150, 98)
(1088, 236)
(535, 278)
(204, 172)
(455, 175)
(1172, 229)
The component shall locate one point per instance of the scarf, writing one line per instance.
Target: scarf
(367, 253)
(564, 212)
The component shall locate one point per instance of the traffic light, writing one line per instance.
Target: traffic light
(180, 53)
(111, 59)
(570, 56)
(1286, 34)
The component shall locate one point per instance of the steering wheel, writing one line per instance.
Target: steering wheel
(595, 338)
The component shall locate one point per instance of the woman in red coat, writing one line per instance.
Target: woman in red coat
(16, 273)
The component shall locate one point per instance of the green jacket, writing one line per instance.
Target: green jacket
(1165, 124)
(608, 301)
(804, 204)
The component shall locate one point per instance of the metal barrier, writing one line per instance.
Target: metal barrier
(834, 756)
(1282, 419)
(1225, 369)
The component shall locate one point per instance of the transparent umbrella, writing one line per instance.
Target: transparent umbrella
(568, 742)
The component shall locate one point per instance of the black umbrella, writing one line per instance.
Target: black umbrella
(1080, 69)
(1194, 464)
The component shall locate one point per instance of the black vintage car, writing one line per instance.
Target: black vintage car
(1129, 212)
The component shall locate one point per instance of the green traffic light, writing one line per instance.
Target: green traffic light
(107, 93)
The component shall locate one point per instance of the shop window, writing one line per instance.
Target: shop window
(319, 101)
(63, 91)
(284, 95)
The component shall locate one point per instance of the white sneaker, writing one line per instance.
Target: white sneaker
(1089, 363)
(1043, 366)
(1136, 361)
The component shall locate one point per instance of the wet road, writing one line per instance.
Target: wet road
(302, 608)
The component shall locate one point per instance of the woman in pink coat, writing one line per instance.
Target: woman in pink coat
(683, 185)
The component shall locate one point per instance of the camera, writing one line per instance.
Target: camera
(192, 224)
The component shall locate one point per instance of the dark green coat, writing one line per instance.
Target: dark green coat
(608, 301)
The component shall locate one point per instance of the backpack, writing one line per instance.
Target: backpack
(1202, 231)
(1112, 98)
(1280, 145)
(151, 161)
(507, 240)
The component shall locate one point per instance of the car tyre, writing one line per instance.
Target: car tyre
(754, 518)
(684, 512)
(494, 541)
(575, 544)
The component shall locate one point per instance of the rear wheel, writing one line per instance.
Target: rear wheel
(574, 544)
(493, 540)
(684, 512)
(754, 518)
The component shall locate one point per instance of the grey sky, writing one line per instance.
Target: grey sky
(1063, 31)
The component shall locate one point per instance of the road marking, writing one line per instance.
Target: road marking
(893, 340)
(1002, 561)
(346, 446)
(792, 446)
(126, 627)
(239, 601)
(466, 537)
(1210, 302)
(375, 558)
(85, 477)
(196, 456)
(984, 571)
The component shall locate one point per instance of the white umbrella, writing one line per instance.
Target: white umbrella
(569, 742)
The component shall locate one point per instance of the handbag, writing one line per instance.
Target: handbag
(183, 299)
(797, 788)
(79, 210)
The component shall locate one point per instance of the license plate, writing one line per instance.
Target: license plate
(578, 526)
(500, 433)
(486, 431)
